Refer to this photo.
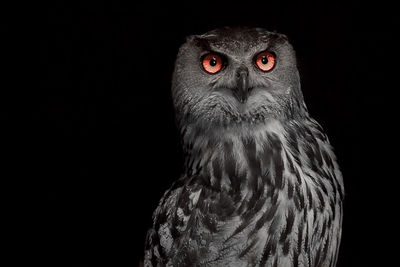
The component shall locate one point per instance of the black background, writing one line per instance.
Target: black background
(104, 124)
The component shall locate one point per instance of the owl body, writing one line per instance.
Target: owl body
(261, 185)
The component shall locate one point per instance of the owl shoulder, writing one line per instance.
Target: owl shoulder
(170, 219)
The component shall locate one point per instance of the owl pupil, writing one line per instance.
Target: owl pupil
(213, 62)
(264, 60)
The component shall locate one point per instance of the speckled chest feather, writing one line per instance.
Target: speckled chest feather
(271, 196)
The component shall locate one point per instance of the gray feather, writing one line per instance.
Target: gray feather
(261, 185)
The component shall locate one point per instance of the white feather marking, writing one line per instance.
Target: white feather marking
(165, 236)
(194, 197)
(179, 212)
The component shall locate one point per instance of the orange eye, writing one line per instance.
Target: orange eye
(212, 63)
(265, 61)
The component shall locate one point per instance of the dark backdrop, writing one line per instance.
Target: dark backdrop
(104, 124)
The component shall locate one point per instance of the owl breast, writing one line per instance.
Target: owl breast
(269, 198)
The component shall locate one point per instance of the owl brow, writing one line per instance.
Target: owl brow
(206, 47)
(267, 47)
(202, 43)
(275, 40)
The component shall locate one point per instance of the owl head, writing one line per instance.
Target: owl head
(236, 76)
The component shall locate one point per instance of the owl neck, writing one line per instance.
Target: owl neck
(230, 157)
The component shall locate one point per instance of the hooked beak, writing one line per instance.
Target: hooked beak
(242, 84)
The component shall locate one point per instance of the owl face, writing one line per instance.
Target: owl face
(236, 76)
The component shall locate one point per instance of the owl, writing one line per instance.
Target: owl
(261, 185)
